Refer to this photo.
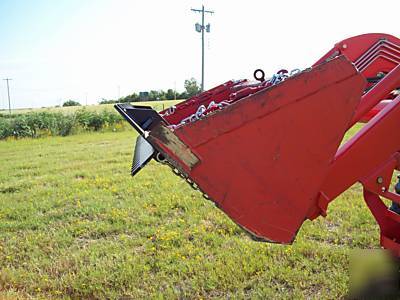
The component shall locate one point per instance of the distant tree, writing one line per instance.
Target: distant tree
(71, 103)
(156, 95)
(105, 101)
(183, 95)
(161, 95)
(192, 88)
(170, 94)
(153, 95)
(134, 97)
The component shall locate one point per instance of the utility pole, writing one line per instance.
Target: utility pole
(175, 90)
(8, 93)
(201, 28)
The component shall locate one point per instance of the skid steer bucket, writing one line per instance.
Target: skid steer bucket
(262, 157)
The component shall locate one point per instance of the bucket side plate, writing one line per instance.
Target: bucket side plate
(263, 159)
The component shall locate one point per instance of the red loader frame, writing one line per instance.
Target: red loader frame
(269, 152)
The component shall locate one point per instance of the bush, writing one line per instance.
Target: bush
(47, 123)
(105, 101)
(65, 125)
(71, 103)
(5, 128)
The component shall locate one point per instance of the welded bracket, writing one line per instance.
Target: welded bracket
(376, 186)
(164, 138)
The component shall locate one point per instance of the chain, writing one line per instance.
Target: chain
(178, 173)
(202, 110)
(283, 75)
(171, 110)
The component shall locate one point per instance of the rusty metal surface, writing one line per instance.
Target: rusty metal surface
(166, 140)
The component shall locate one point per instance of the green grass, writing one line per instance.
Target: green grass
(157, 105)
(74, 224)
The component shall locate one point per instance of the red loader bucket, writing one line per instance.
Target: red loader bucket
(263, 158)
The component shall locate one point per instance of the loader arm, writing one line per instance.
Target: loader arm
(243, 142)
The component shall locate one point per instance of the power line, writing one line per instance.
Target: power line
(201, 28)
(8, 93)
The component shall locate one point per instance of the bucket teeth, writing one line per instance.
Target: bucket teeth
(142, 155)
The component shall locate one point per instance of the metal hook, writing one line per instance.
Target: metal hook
(259, 78)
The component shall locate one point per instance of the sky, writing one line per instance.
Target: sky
(87, 50)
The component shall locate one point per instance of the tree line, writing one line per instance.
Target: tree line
(192, 88)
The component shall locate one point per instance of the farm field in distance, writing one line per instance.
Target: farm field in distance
(157, 105)
(75, 224)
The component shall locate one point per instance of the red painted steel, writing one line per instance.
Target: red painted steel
(359, 48)
(374, 111)
(376, 94)
(271, 156)
(264, 157)
(270, 171)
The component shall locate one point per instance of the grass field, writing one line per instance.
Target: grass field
(74, 224)
(157, 105)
